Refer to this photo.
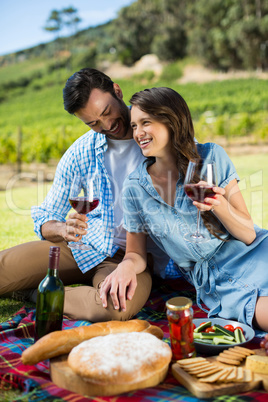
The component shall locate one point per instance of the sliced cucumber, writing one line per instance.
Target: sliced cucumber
(239, 336)
(223, 330)
(203, 326)
(211, 335)
(219, 341)
(207, 341)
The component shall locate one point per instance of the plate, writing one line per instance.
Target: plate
(209, 349)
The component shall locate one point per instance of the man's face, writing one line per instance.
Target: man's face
(107, 114)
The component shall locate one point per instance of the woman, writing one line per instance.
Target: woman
(229, 270)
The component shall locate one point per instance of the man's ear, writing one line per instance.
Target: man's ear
(118, 91)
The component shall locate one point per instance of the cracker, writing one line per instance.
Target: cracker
(194, 366)
(236, 351)
(212, 378)
(191, 361)
(231, 355)
(201, 369)
(245, 350)
(232, 375)
(212, 371)
(227, 360)
(248, 375)
(225, 374)
(240, 375)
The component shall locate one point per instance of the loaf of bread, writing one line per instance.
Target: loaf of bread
(62, 342)
(118, 363)
(257, 364)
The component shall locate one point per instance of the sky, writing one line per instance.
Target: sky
(22, 21)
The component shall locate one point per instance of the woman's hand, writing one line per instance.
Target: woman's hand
(121, 284)
(230, 208)
(210, 203)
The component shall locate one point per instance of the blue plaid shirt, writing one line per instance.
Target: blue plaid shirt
(86, 155)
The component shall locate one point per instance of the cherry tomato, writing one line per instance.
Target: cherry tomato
(194, 326)
(240, 329)
(229, 327)
(209, 329)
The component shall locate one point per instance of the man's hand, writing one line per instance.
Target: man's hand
(56, 231)
(76, 227)
(121, 285)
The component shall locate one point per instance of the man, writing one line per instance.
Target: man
(109, 151)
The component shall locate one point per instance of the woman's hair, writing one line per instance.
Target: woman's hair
(169, 108)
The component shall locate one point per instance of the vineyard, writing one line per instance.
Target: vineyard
(35, 126)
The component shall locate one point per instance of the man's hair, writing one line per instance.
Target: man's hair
(79, 86)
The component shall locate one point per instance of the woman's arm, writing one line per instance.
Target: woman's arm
(230, 208)
(122, 282)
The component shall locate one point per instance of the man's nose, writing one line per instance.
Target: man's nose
(106, 124)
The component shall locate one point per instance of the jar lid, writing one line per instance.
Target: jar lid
(179, 303)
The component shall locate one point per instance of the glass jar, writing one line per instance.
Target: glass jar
(181, 328)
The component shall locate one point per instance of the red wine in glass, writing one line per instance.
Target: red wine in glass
(198, 192)
(200, 178)
(84, 198)
(82, 205)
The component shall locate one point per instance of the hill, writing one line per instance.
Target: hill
(225, 102)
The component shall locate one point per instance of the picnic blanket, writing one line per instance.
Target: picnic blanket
(17, 333)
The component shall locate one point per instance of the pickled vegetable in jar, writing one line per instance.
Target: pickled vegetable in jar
(181, 328)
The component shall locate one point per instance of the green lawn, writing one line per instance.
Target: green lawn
(253, 172)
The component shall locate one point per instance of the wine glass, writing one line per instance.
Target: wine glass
(84, 198)
(200, 178)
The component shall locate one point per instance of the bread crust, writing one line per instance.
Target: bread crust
(62, 342)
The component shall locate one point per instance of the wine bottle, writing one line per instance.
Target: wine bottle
(50, 298)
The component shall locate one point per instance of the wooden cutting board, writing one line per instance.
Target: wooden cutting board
(64, 377)
(206, 390)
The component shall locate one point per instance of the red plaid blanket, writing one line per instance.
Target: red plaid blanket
(34, 381)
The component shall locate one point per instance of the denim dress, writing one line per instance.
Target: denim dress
(228, 275)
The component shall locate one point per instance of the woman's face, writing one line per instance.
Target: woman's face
(152, 136)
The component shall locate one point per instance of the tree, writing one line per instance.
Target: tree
(71, 19)
(148, 26)
(54, 22)
(170, 42)
(228, 33)
(59, 19)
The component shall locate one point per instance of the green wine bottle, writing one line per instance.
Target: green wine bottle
(50, 298)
